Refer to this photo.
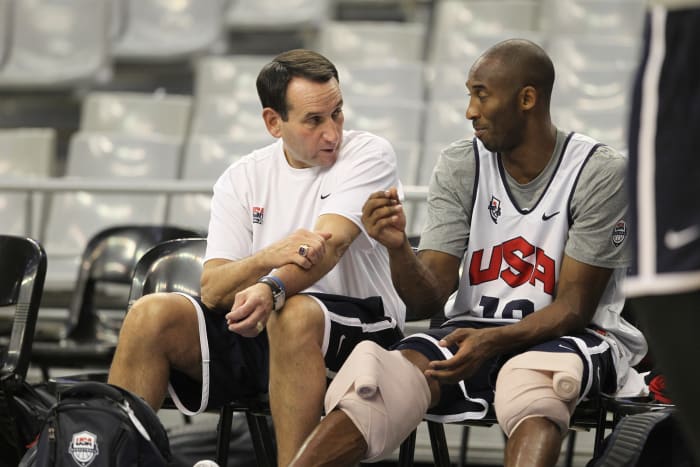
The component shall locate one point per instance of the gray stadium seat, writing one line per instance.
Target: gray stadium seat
(618, 17)
(76, 216)
(228, 75)
(136, 114)
(381, 80)
(159, 31)
(25, 153)
(206, 158)
(228, 116)
(244, 15)
(372, 41)
(56, 44)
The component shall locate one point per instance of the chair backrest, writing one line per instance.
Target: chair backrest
(157, 30)
(598, 17)
(206, 158)
(228, 116)
(56, 43)
(369, 41)
(393, 80)
(228, 75)
(22, 273)
(135, 113)
(76, 216)
(24, 153)
(397, 120)
(110, 257)
(170, 266)
(275, 15)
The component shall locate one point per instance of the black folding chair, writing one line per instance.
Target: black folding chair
(109, 259)
(22, 273)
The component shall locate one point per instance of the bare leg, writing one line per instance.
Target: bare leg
(159, 331)
(347, 448)
(297, 373)
(535, 443)
(337, 441)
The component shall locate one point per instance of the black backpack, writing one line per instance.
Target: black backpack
(23, 411)
(100, 425)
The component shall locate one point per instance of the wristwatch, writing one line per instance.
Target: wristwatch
(278, 290)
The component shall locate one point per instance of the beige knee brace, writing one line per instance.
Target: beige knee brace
(384, 395)
(538, 384)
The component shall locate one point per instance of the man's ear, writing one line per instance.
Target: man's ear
(528, 97)
(272, 122)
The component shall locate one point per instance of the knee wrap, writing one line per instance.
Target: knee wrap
(384, 395)
(538, 384)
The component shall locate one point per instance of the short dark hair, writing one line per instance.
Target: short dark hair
(274, 77)
(528, 62)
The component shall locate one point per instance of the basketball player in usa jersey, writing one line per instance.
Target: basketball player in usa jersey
(536, 219)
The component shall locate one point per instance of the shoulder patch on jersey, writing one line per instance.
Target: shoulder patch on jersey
(619, 232)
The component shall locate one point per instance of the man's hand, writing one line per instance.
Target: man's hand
(469, 357)
(384, 218)
(287, 250)
(250, 310)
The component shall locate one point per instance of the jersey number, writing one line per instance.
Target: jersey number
(515, 309)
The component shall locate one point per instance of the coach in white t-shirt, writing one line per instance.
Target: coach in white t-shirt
(290, 274)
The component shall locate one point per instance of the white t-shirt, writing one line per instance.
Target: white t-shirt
(260, 199)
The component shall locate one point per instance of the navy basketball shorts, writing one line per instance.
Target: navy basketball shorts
(235, 367)
(470, 399)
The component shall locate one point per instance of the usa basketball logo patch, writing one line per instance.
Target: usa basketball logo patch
(258, 214)
(495, 209)
(619, 232)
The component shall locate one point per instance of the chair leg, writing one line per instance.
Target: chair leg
(407, 450)
(438, 443)
(261, 436)
(223, 435)
(463, 447)
(570, 445)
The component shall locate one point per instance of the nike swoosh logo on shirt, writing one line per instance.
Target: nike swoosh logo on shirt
(340, 342)
(325, 196)
(546, 217)
(675, 239)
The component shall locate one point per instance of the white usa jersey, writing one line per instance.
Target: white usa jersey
(514, 255)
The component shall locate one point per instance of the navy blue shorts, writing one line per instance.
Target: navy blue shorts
(470, 399)
(234, 366)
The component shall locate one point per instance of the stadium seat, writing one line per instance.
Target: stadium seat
(380, 81)
(244, 15)
(206, 158)
(397, 120)
(228, 75)
(5, 28)
(573, 53)
(595, 17)
(227, 116)
(462, 30)
(56, 44)
(137, 114)
(372, 41)
(25, 153)
(76, 216)
(159, 31)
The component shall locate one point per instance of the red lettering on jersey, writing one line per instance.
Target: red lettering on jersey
(477, 275)
(520, 270)
(544, 272)
(513, 255)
